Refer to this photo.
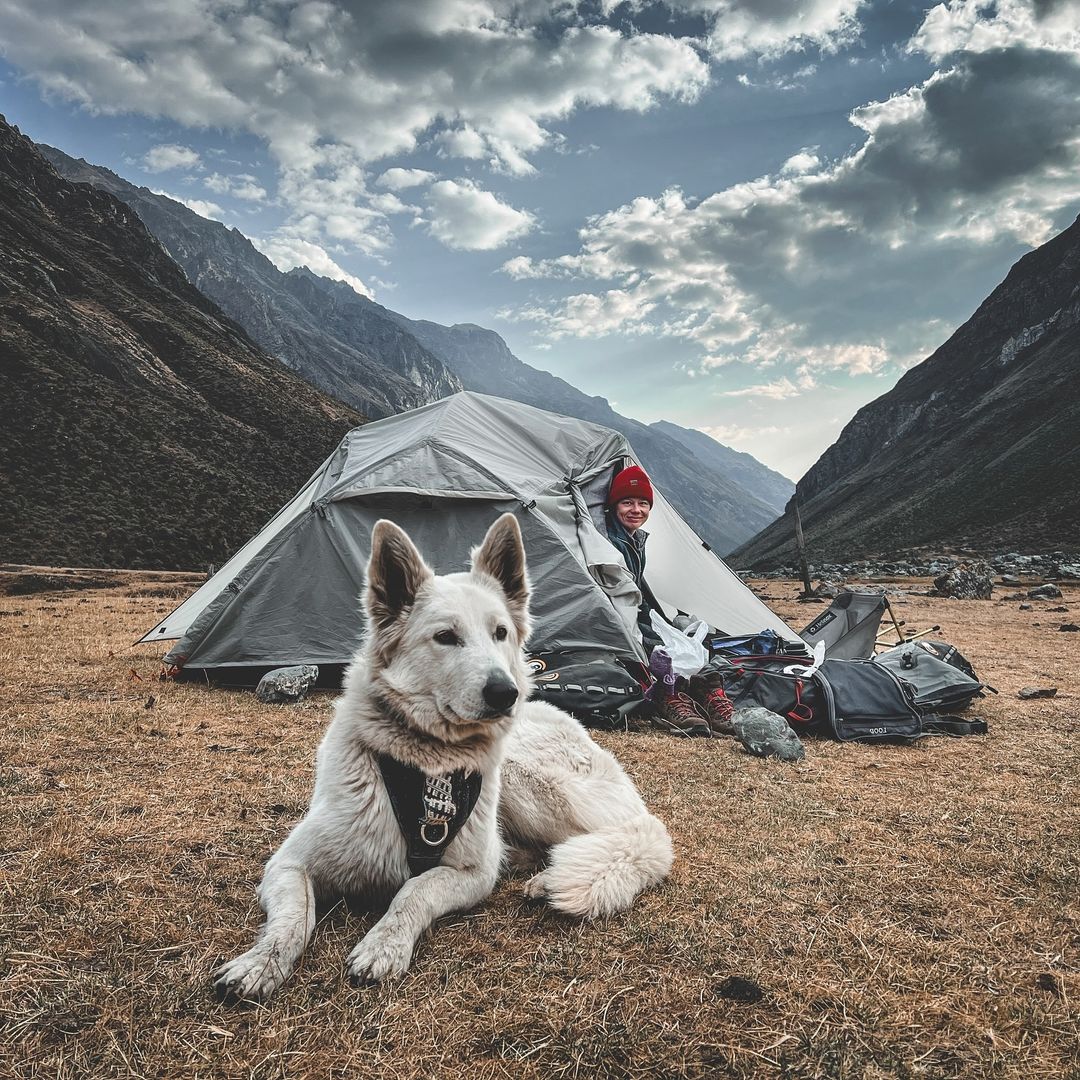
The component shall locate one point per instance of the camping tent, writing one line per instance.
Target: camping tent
(444, 472)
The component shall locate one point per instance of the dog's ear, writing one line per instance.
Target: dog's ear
(502, 556)
(395, 572)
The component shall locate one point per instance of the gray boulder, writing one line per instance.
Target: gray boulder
(766, 734)
(1048, 591)
(286, 685)
(968, 581)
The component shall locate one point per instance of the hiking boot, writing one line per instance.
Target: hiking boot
(707, 689)
(683, 713)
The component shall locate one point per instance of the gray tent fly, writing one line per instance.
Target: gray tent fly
(444, 472)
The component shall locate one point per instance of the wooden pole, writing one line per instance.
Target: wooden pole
(800, 545)
(896, 625)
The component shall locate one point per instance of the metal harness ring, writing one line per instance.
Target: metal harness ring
(441, 838)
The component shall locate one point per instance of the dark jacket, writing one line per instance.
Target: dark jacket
(631, 546)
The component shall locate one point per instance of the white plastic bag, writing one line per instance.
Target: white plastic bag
(688, 654)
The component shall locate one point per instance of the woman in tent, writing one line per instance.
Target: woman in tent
(629, 503)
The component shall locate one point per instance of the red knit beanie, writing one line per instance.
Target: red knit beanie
(631, 483)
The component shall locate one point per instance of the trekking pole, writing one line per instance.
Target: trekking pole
(912, 637)
(800, 545)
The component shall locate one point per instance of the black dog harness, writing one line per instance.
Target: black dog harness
(430, 810)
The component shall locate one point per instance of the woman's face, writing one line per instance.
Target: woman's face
(633, 513)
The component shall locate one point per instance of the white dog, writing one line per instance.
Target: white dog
(432, 723)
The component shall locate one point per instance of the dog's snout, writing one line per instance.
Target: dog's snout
(499, 692)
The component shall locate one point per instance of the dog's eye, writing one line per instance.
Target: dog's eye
(447, 637)
(500, 633)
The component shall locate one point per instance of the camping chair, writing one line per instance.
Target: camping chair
(849, 627)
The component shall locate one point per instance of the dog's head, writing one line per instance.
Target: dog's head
(446, 652)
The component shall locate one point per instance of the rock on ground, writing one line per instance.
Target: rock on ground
(968, 581)
(1048, 591)
(766, 734)
(286, 685)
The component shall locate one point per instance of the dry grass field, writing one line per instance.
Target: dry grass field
(892, 911)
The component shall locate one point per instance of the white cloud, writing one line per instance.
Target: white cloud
(738, 435)
(241, 186)
(287, 252)
(464, 216)
(336, 86)
(750, 27)
(465, 142)
(202, 207)
(806, 160)
(978, 26)
(776, 390)
(332, 86)
(167, 156)
(398, 179)
(810, 267)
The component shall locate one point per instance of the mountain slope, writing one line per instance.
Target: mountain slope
(328, 337)
(976, 448)
(138, 425)
(768, 486)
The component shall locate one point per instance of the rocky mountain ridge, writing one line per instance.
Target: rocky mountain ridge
(744, 469)
(139, 426)
(976, 448)
(327, 337)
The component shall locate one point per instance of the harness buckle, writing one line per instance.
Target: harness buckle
(434, 824)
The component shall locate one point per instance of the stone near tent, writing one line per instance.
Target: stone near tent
(1025, 607)
(968, 581)
(766, 734)
(1049, 591)
(1029, 692)
(286, 685)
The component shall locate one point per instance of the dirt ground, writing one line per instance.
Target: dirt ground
(875, 911)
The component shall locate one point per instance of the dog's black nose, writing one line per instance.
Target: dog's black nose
(499, 693)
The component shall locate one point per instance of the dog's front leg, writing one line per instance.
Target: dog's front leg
(387, 948)
(287, 897)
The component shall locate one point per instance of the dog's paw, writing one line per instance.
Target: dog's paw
(535, 889)
(251, 977)
(378, 957)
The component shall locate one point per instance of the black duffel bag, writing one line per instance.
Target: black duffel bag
(849, 700)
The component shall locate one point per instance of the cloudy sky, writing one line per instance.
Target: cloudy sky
(745, 216)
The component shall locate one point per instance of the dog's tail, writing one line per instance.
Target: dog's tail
(599, 873)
